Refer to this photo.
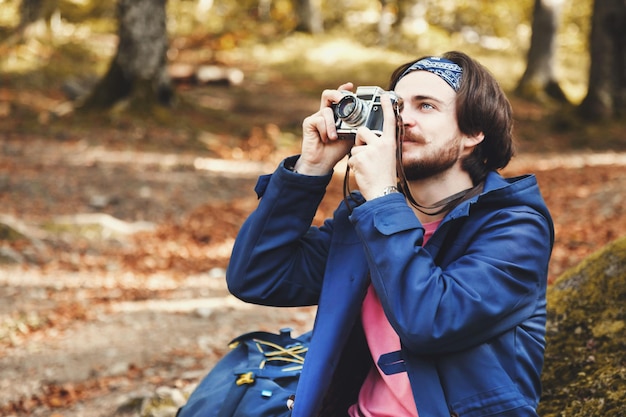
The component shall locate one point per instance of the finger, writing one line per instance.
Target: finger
(352, 163)
(363, 136)
(333, 96)
(355, 150)
(316, 125)
(329, 121)
(346, 87)
(389, 116)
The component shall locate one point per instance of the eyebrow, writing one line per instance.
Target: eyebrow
(420, 97)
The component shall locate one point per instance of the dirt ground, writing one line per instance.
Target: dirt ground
(121, 290)
(83, 329)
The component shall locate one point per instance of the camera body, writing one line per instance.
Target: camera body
(362, 108)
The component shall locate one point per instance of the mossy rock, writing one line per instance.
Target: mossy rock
(585, 366)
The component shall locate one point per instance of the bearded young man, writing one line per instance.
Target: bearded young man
(431, 298)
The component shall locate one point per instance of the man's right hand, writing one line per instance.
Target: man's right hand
(321, 148)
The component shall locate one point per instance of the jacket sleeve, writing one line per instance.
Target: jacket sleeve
(496, 280)
(278, 259)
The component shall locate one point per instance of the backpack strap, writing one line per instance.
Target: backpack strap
(263, 348)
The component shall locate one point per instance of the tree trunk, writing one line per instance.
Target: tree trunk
(309, 14)
(30, 11)
(138, 72)
(393, 16)
(264, 10)
(539, 79)
(606, 96)
(387, 19)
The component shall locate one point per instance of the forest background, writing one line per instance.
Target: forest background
(132, 133)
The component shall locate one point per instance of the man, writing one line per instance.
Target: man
(430, 301)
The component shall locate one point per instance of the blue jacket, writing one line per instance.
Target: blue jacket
(469, 307)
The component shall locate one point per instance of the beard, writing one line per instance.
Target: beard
(432, 164)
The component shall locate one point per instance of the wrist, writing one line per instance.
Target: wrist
(390, 189)
(301, 167)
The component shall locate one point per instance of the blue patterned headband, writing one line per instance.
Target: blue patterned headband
(446, 69)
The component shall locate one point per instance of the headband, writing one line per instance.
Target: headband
(444, 68)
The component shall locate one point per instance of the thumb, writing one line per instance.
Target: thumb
(389, 115)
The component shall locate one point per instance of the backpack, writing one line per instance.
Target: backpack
(258, 377)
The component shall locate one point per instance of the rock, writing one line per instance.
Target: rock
(584, 372)
(76, 88)
(164, 402)
(172, 394)
(204, 312)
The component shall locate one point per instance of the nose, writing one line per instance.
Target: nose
(408, 117)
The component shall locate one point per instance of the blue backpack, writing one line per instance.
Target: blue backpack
(258, 377)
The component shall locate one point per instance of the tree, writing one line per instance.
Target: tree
(606, 95)
(539, 79)
(309, 15)
(138, 72)
(388, 17)
(30, 11)
(394, 13)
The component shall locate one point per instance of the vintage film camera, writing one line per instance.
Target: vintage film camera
(362, 108)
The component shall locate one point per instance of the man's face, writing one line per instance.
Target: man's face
(432, 140)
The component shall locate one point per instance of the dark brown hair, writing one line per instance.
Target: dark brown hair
(481, 106)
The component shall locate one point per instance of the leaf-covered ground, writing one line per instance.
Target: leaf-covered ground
(114, 233)
(94, 312)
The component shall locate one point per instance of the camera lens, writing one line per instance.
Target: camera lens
(351, 110)
(346, 106)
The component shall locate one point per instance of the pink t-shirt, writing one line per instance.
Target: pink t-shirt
(384, 395)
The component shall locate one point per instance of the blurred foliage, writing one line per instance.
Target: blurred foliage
(76, 39)
(497, 29)
(493, 25)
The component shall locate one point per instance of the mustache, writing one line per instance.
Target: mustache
(409, 137)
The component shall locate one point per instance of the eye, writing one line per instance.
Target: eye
(426, 106)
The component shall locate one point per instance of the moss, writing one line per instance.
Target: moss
(585, 368)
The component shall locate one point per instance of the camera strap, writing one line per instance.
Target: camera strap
(432, 210)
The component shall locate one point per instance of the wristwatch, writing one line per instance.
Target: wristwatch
(389, 190)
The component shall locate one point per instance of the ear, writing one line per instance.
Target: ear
(470, 142)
